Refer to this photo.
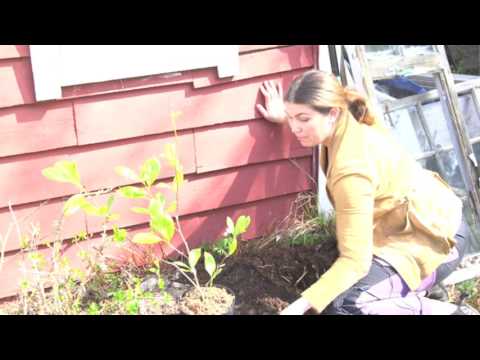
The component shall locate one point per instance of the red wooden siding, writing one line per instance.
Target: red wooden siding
(16, 81)
(235, 162)
(247, 48)
(245, 143)
(231, 187)
(13, 51)
(36, 127)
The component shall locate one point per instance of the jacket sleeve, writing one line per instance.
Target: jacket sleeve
(354, 200)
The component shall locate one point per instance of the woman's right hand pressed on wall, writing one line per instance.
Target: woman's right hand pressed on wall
(274, 109)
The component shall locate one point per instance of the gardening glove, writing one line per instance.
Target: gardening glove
(298, 307)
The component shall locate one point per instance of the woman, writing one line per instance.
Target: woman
(399, 227)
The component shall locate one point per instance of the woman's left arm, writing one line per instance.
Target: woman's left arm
(354, 200)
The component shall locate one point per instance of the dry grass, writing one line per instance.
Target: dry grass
(302, 226)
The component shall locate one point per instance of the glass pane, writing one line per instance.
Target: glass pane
(417, 49)
(409, 50)
(448, 168)
(407, 128)
(470, 115)
(386, 49)
(437, 124)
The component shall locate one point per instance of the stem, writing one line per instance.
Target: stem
(176, 250)
(4, 245)
(197, 285)
(17, 227)
(41, 288)
(177, 154)
(181, 232)
(196, 278)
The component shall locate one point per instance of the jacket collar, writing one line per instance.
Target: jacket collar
(327, 156)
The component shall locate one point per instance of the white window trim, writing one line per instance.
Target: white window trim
(56, 66)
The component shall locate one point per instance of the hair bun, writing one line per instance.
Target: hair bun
(357, 104)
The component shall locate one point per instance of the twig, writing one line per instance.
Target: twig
(181, 272)
(176, 250)
(17, 227)
(303, 170)
(4, 245)
(305, 272)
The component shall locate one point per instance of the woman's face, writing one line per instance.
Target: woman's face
(309, 126)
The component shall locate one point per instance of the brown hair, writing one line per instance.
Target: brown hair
(322, 91)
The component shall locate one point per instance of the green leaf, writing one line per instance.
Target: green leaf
(230, 225)
(140, 210)
(127, 173)
(210, 264)
(133, 307)
(242, 224)
(93, 309)
(163, 224)
(193, 257)
(110, 200)
(63, 171)
(156, 206)
(232, 246)
(132, 192)
(103, 210)
(90, 209)
(73, 204)
(172, 207)
(146, 239)
(161, 198)
(149, 171)
(215, 274)
(119, 295)
(182, 265)
(113, 217)
(161, 283)
(119, 235)
(178, 180)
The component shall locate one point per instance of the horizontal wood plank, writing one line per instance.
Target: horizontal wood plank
(245, 143)
(21, 180)
(221, 189)
(16, 81)
(13, 51)
(32, 128)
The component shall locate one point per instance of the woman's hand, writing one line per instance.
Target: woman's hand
(274, 109)
(298, 307)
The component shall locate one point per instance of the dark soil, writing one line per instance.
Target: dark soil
(266, 280)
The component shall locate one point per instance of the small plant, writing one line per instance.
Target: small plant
(223, 249)
(468, 288)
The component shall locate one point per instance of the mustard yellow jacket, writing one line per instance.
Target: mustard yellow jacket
(386, 205)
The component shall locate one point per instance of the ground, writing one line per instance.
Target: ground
(267, 279)
(265, 274)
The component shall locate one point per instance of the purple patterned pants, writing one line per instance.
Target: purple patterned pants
(384, 292)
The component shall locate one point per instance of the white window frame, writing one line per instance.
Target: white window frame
(56, 66)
